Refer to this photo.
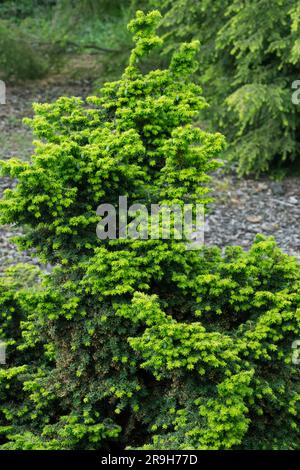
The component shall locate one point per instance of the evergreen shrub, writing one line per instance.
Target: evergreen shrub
(140, 343)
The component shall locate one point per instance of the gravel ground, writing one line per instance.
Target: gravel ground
(246, 207)
(242, 208)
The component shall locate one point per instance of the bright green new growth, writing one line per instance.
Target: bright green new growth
(141, 343)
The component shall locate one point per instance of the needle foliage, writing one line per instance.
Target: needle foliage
(131, 342)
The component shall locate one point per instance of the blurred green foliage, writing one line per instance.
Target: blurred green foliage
(39, 36)
(18, 57)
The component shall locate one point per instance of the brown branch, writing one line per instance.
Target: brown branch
(91, 46)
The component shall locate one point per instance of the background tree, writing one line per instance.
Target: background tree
(249, 59)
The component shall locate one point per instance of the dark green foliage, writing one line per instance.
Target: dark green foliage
(21, 9)
(17, 303)
(143, 343)
(38, 37)
(250, 55)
